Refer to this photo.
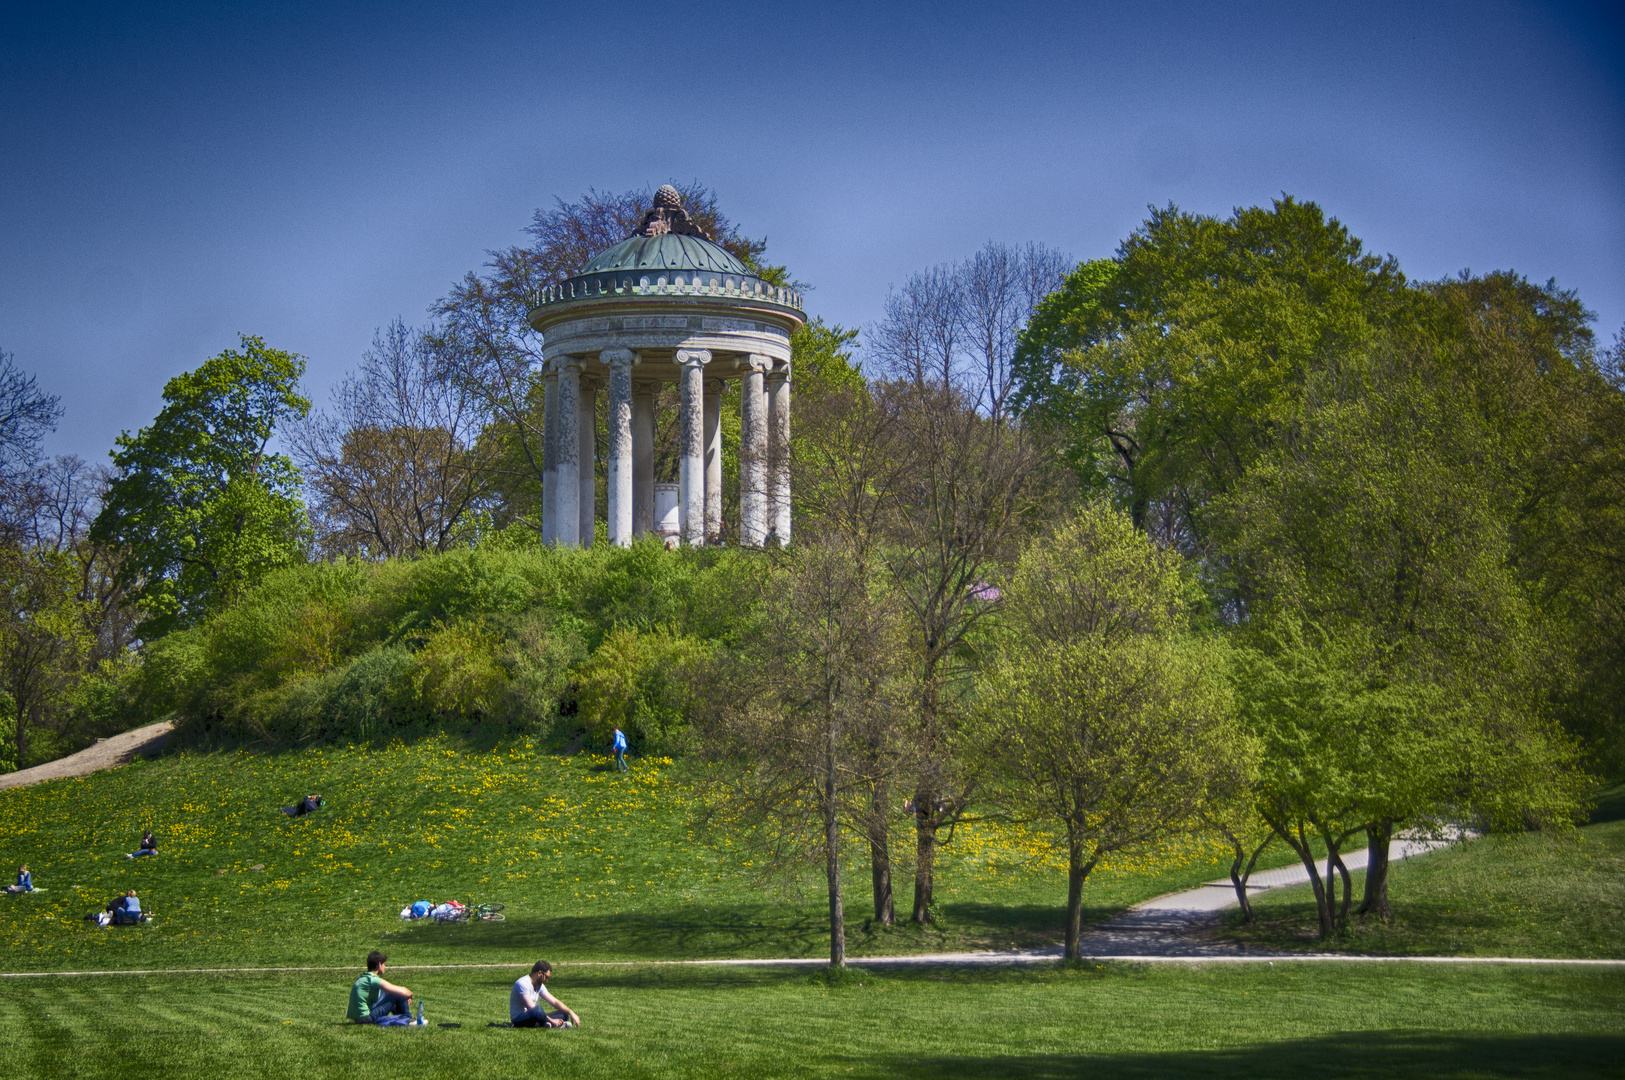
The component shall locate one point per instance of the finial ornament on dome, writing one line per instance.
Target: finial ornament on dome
(668, 216)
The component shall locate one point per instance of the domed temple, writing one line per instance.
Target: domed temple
(665, 305)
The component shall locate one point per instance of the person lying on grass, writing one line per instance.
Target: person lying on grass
(372, 997)
(525, 1001)
(25, 881)
(149, 846)
(308, 805)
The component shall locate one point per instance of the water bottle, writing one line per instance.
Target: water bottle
(420, 1013)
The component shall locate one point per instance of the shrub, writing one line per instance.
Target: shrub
(633, 682)
(457, 674)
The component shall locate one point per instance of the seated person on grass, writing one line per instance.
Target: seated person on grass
(125, 909)
(149, 846)
(525, 1001)
(372, 997)
(25, 881)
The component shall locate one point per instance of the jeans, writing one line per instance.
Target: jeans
(537, 1016)
(620, 760)
(389, 1005)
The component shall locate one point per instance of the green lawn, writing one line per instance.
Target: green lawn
(1291, 1020)
(1526, 895)
(591, 865)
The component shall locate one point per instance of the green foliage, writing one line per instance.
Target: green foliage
(45, 640)
(456, 674)
(822, 358)
(1103, 717)
(636, 681)
(489, 635)
(199, 505)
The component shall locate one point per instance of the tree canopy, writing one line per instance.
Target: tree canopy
(198, 501)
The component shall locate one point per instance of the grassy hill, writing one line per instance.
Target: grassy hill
(589, 863)
(595, 866)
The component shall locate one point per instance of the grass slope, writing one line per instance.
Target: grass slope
(1525, 895)
(590, 864)
(1119, 1021)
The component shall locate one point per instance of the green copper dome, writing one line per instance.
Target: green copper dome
(668, 255)
(668, 252)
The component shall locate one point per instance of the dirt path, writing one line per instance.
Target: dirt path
(104, 754)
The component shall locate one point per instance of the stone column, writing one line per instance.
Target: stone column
(550, 451)
(753, 453)
(587, 425)
(567, 452)
(618, 491)
(691, 414)
(778, 453)
(643, 457)
(713, 461)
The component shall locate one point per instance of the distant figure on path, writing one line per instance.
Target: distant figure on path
(525, 1001)
(149, 846)
(25, 881)
(308, 805)
(372, 997)
(619, 744)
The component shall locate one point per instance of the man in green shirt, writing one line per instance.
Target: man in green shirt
(372, 997)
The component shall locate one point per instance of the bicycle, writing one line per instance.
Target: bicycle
(489, 913)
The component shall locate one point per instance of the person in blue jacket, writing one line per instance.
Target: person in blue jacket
(25, 881)
(619, 744)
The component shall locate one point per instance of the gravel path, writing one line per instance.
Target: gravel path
(104, 754)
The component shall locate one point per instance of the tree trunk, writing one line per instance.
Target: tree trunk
(1076, 872)
(832, 856)
(880, 855)
(925, 853)
(1348, 889)
(1239, 873)
(1299, 843)
(1375, 900)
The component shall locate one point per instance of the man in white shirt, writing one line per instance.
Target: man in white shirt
(528, 1001)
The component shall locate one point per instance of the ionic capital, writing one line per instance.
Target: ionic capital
(693, 357)
(618, 357)
(757, 362)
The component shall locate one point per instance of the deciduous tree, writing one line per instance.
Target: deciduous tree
(1102, 717)
(199, 504)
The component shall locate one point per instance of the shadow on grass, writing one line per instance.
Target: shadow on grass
(692, 933)
(677, 933)
(1610, 804)
(1350, 1054)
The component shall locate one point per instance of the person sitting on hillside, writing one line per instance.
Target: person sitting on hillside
(525, 1001)
(25, 881)
(373, 998)
(126, 909)
(149, 846)
(308, 805)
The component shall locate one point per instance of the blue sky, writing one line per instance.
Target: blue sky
(173, 174)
